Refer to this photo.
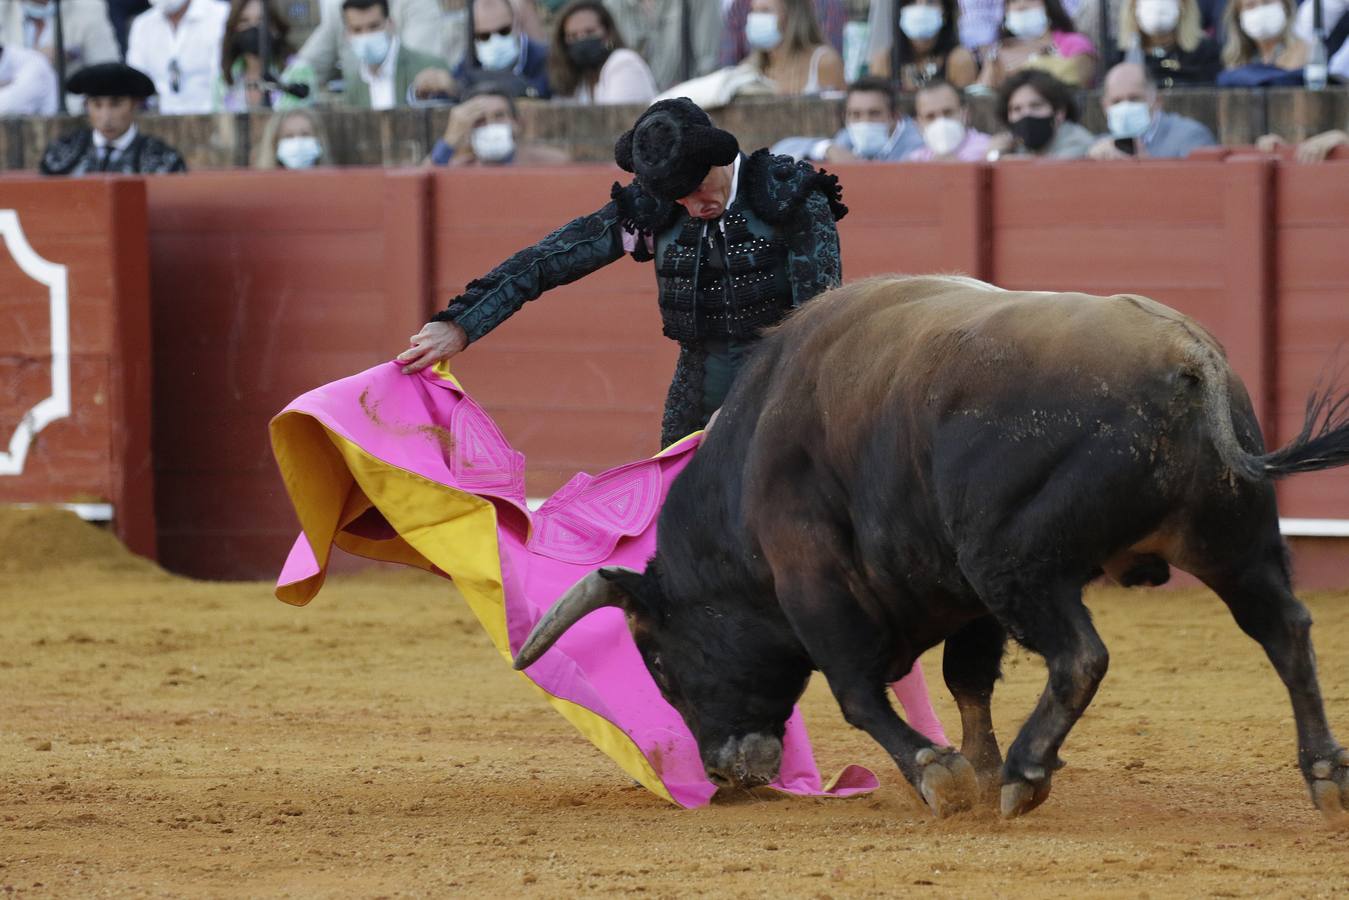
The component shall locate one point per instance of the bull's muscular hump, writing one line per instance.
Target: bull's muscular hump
(910, 461)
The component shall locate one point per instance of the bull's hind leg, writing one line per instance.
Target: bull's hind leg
(1262, 602)
(971, 664)
(1048, 619)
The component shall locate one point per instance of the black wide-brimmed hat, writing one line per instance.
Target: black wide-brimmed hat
(672, 147)
(111, 80)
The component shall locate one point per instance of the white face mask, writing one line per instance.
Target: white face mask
(943, 135)
(494, 142)
(300, 152)
(168, 7)
(1128, 118)
(1264, 23)
(38, 10)
(920, 22)
(868, 138)
(1027, 24)
(1157, 16)
(372, 47)
(761, 30)
(499, 51)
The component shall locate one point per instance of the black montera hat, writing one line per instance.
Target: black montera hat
(111, 80)
(672, 146)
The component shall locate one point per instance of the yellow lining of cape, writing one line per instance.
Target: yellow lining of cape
(331, 481)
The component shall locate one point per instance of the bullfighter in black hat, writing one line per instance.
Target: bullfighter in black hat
(738, 241)
(113, 93)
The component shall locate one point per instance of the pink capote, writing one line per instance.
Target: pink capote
(607, 519)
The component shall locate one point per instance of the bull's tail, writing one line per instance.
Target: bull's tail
(1323, 442)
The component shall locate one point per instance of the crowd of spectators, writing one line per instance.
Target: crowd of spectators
(479, 57)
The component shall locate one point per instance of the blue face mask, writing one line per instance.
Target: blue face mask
(372, 47)
(38, 10)
(920, 22)
(868, 138)
(1128, 118)
(761, 30)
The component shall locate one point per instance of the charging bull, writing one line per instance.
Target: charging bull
(908, 461)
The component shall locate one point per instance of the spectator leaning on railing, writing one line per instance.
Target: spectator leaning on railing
(1138, 125)
(293, 139)
(874, 129)
(483, 131)
(85, 31)
(1313, 150)
(929, 47)
(240, 83)
(1038, 34)
(1261, 48)
(504, 50)
(111, 143)
(830, 15)
(385, 70)
(1041, 117)
(789, 49)
(1169, 38)
(943, 117)
(27, 82)
(589, 62)
(177, 44)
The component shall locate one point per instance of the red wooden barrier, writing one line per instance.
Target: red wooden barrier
(265, 285)
(78, 246)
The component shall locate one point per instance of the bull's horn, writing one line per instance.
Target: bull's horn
(592, 592)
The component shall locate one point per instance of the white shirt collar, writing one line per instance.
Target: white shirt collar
(119, 145)
(735, 180)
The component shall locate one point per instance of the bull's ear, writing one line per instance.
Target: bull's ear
(601, 588)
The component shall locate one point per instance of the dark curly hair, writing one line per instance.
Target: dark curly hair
(1059, 95)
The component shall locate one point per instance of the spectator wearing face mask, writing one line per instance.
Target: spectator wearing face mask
(1138, 125)
(943, 118)
(874, 129)
(385, 70)
(503, 50)
(1168, 35)
(482, 131)
(241, 84)
(27, 83)
(831, 15)
(85, 31)
(590, 64)
(1038, 34)
(928, 46)
(111, 142)
(1261, 48)
(417, 23)
(789, 50)
(177, 43)
(293, 139)
(979, 24)
(1041, 118)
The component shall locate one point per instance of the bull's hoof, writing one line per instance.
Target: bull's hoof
(1329, 783)
(946, 780)
(1021, 795)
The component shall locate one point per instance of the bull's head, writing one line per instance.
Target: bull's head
(719, 667)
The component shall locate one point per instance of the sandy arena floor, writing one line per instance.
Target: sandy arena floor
(163, 737)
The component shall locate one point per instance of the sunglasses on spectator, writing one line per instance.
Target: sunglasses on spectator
(504, 31)
(175, 76)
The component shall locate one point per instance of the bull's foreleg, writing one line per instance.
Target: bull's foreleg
(1263, 604)
(1058, 627)
(971, 664)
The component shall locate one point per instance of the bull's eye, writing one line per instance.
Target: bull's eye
(656, 667)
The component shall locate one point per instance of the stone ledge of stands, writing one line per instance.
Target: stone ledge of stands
(404, 137)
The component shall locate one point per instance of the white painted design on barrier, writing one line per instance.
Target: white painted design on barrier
(57, 405)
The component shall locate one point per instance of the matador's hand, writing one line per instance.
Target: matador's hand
(436, 341)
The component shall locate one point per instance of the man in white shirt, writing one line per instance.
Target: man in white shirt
(27, 83)
(177, 43)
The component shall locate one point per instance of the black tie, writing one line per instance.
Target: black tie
(106, 158)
